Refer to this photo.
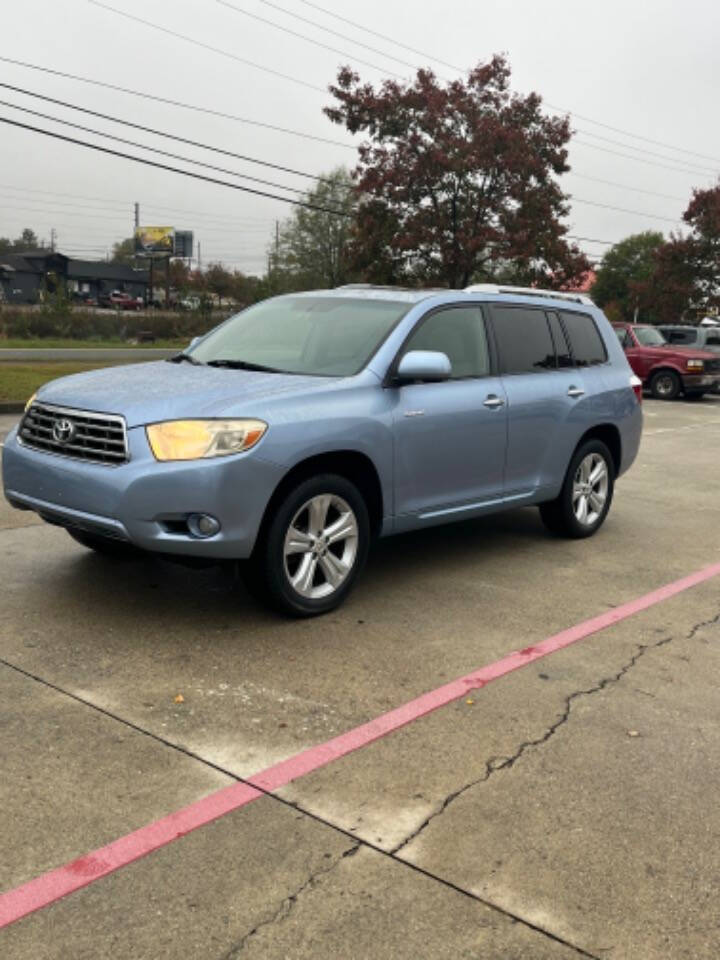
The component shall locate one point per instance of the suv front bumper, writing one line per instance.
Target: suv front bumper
(143, 501)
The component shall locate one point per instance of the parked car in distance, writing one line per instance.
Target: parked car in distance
(121, 301)
(665, 369)
(302, 427)
(699, 338)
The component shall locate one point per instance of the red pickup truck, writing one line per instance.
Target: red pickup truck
(664, 368)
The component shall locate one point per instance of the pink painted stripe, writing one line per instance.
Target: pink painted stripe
(51, 886)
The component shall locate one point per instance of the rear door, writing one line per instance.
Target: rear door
(450, 437)
(545, 394)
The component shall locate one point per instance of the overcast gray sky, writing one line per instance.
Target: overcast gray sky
(649, 68)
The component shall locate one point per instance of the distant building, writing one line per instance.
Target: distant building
(584, 285)
(25, 277)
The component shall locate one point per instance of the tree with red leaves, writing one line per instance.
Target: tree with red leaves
(686, 280)
(457, 182)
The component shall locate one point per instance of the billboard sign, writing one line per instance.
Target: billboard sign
(154, 241)
(183, 244)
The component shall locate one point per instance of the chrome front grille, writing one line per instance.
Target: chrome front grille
(95, 437)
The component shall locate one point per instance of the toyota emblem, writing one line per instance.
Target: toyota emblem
(63, 431)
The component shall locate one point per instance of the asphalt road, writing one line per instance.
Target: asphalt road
(90, 354)
(564, 810)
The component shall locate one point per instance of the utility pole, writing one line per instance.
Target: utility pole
(137, 214)
(53, 238)
(199, 257)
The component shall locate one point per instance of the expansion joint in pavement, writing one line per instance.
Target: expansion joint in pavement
(357, 842)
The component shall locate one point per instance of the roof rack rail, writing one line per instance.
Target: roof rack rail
(529, 292)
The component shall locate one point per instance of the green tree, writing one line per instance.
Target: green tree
(312, 249)
(623, 280)
(124, 251)
(28, 240)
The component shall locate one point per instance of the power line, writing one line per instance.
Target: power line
(624, 186)
(695, 167)
(161, 133)
(628, 156)
(359, 43)
(393, 40)
(206, 46)
(142, 146)
(397, 43)
(176, 103)
(232, 173)
(164, 166)
(638, 213)
(317, 43)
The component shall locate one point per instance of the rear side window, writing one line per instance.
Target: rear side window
(713, 340)
(523, 340)
(586, 343)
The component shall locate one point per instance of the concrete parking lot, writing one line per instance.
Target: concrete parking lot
(565, 809)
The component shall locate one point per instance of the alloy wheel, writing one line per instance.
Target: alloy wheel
(590, 489)
(320, 546)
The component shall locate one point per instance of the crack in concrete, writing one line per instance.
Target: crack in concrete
(288, 903)
(496, 763)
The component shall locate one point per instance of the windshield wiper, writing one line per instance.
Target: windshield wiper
(243, 365)
(179, 357)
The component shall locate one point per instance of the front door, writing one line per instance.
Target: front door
(450, 437)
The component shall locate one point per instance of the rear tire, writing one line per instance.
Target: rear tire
(313, 548)
(587, 491)
(665, 385)
(105, 545)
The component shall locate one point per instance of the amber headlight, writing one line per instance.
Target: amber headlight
(197, 439)
(695, 364)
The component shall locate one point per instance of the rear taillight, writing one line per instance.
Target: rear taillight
(636, 384)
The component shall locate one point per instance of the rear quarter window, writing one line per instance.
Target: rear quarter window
(586, 343)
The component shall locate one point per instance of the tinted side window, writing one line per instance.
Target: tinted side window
(458, 332)
(713, 340)
(587, 345)
(523, 340)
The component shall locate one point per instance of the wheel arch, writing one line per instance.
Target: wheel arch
(355, 466)
(609, 434)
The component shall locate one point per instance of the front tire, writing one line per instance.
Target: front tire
(580, 509)
(665, 385)
(313, 548)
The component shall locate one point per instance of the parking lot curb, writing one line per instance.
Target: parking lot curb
(12, 407)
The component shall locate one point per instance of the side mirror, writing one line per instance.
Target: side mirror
(424, 365)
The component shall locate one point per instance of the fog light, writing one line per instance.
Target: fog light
(202, 525)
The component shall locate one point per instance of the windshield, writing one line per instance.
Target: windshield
(649, 336)
(321, 336)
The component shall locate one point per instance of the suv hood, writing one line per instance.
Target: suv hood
(149, 392)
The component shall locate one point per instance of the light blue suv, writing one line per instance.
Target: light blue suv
(301, 428)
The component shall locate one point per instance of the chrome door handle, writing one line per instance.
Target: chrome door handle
(576, 392)
(493, 401)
